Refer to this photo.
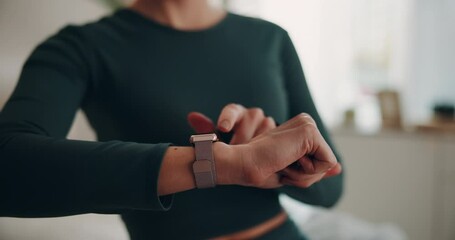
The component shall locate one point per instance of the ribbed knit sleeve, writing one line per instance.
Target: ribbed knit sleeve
(328, 191)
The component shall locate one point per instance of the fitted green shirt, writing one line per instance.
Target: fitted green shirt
(136, 80)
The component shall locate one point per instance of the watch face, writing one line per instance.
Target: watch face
(203, 137)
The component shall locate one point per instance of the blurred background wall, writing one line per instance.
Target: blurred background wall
(350, 51)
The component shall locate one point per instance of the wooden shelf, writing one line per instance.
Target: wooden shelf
(437, 126)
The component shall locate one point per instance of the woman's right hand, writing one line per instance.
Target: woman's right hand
(259, 163)
(262, 162)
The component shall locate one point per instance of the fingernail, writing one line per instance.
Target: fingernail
(225, 124)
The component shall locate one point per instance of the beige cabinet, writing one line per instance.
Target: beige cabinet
(446, 224)
(403, 178)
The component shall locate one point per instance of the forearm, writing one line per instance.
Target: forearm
(176, 171)
(43, 176)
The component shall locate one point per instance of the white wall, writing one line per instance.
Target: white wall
(432, 70)
(352, 48)
(25, 23)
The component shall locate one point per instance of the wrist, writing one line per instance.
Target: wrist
(229, 163)
(176, 174)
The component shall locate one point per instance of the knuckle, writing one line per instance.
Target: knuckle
(308, 132)
(270, 123)
(231, 105)
(257, 112)
(309, 127)
(305, 118)
(234, 109)
(239, 106)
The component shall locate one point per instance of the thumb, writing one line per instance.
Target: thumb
(200, 123)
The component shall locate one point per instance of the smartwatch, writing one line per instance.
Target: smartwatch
(204, 165)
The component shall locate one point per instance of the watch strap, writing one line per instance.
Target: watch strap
(204, 165)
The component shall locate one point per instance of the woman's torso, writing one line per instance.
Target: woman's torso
(152, 76)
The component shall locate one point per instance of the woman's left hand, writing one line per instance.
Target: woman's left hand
(246, 123)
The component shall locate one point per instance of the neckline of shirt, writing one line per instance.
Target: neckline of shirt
(135, 16)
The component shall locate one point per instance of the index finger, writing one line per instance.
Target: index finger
(231, 114)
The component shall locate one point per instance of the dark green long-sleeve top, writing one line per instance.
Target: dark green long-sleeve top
(136, 80)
